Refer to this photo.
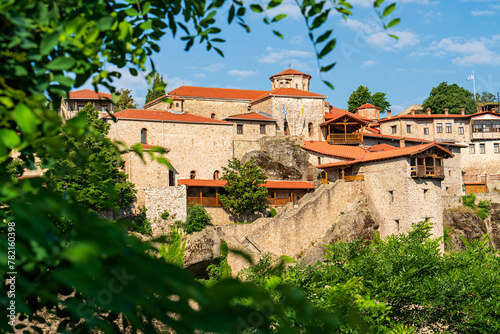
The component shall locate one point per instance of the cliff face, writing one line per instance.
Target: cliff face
(463, 222)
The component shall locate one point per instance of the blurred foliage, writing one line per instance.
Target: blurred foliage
(158, 88)
(93, 275)
(173, 250)
(125, 100)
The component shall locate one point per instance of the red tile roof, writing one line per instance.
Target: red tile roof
(334, 110)
(388, 154)
(290, 72)
(366, 106)
(88, 94)
(373, 130)
(156, 115)
(268, 184)
(253, 116)
(334, 117)
(433, 116)
(382, 147)
(341, 151)
(288, 92)
(379, 135)
(217, 93)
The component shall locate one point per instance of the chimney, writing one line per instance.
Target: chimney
(446, 112)
(462, 111)
(429, 111)
(413, 112)
(388, 113)
(494, 109)
(402, 143)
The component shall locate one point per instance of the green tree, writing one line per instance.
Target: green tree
(197, 219)
(451, 97)
(362, 95)
(126, 101)
(101, 185)
(485, 97)
(157, 90)
(245, 193)
(96, 276)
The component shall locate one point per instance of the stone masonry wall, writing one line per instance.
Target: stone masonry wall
(203, 147)
(206, 107)
(161, 199)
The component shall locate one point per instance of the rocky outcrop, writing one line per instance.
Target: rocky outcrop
(358, 221)
(282, 159)
(202, 249)
(463, 222)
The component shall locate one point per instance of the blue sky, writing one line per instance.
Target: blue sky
(438, 41)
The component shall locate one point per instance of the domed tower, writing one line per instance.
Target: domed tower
(290, 79)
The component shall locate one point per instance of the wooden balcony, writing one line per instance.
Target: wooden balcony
(209, 202)
(344, 138)
(435, 172)
(349, 178)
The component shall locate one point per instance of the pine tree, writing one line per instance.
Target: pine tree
(101, 185)
(157, 90)
(359, 97)
(126, 100)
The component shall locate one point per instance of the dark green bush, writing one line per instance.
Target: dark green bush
(141, 223)
(469, 201)
(272, 212)
(197, 219)
(165, 215)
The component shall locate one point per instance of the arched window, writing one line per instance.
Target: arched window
(310, 129)
(144, 136)
(176, 104)
(192, 175)
(216, 175)
(212, 116)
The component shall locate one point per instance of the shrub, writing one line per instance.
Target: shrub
(165, 215)
(197, 219)
(272, 212)
(484, 209)
(141, 223)
(469, 201)
(222, 270)
(173, 251)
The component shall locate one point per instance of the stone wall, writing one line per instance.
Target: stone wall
(241, 147)
(199, 147)
(161, 199)
(251, 129)
(481, 163)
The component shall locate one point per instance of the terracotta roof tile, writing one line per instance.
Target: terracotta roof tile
(379, 135)
(88, 94)
(290, 72)
(155, 115)
(434, 116)
(333, 117)
(253, 116)
(216, 93)
(335, 110)
(288, 92)
(382, 147)
(269, 184)
(341, 151)
(366, 106)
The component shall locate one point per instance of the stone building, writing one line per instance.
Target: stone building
(479, 135)
(78, 99)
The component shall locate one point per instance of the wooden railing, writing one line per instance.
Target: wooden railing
(209, 202)
(349, 178)
(334, 138)
(436, 172)
(276, 202)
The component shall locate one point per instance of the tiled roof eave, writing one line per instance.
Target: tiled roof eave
(169, 121)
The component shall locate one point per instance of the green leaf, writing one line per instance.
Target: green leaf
(61, 63)
(48, 42)
(277, 33)
(219, 51)
(394, 36)
(393, 23)
(328, 48)
(327, 68)
(278, 17)
(26, 119)
(273, 4)
(389, 9)
(377, 3)
(256, 8)
(329, 84)
(324, 36)
(288, 259)
(133, 71)
(10, 138)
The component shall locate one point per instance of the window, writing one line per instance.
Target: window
(80, 107)
(448, 127)
(310, 129)
(212, 116)
(496, 126)
(286, 129)
(426, 131)
(482, 149)
(394, 129)
(496, 148)
(426, 193)
(216, 175)
(408, 128)
(262, 129)
(239, 129)
(439, 127)
(477, 126)
(104, 109)
(486, 126)
(461, 130)
(297, 86)
(472, 149)
(397, 224)
(171, 179)
(177, 104)
(144, 136)
(319, 160)
(192, 174)
(391, 196)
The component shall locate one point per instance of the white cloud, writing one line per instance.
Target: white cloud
(278, 56)
(241, 73)
(482, 12)
(469, 52)
(298, 39)
(215, 67)
(175, 82)
(200, 75)
(368, 63)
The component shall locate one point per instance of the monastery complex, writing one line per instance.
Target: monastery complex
(406, 164)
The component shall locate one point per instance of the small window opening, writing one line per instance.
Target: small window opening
(212, 116)
(144, 136)
(192, 175)
(391, 196)
(397, 224)
(310, 129)
(426, 191)
(216, 175)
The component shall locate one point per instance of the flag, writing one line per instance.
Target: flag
(470, 77)
(284, 111)
(302, 109)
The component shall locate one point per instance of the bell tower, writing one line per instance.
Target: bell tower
(291, 79)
